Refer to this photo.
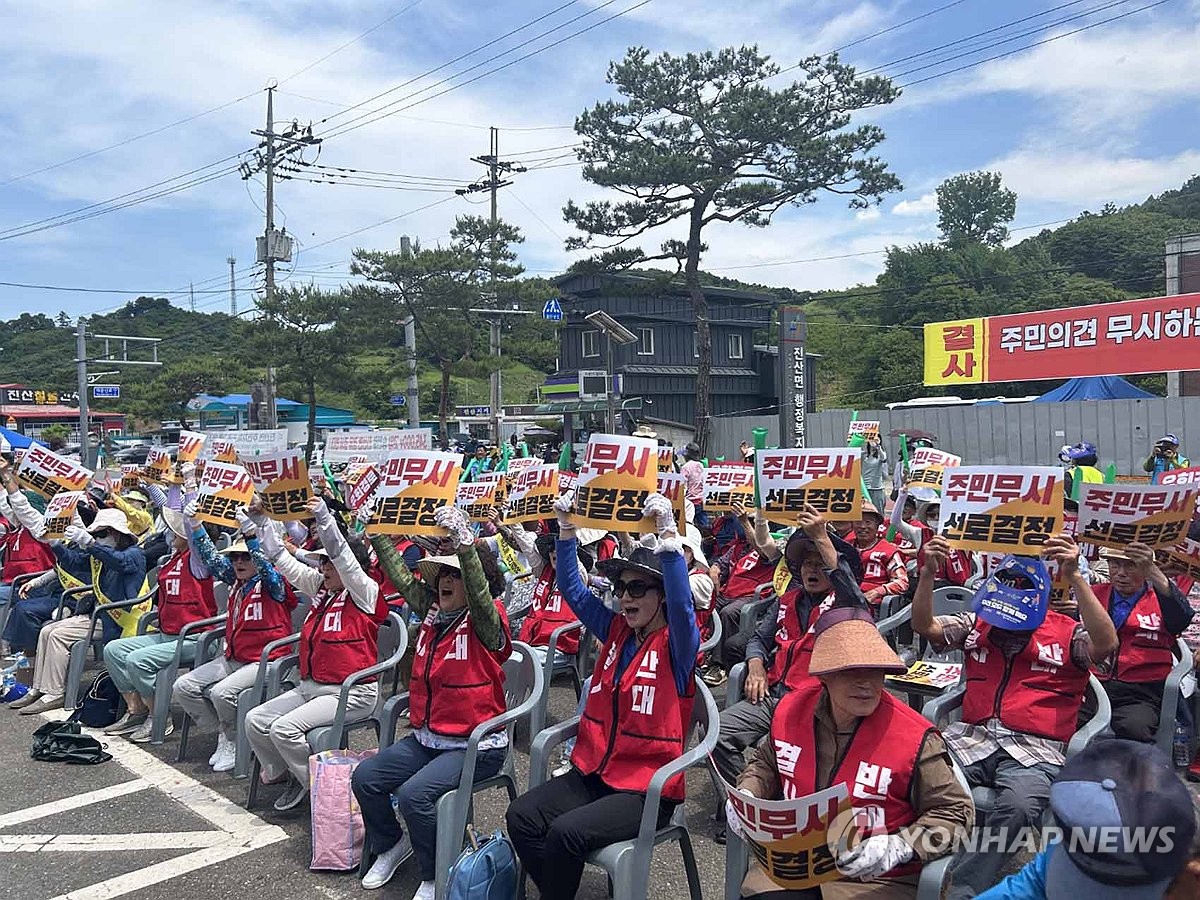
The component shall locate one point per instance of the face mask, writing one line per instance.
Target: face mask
(107, 541)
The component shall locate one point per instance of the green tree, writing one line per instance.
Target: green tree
(975, 208)
(167, 394)
(55, 436)
(701, 138)
(62, 320)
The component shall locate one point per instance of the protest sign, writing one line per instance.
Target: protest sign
(500, 479)
(245, 443)
(666, 459)
(567, 481)
(867, 429)
(925, 468)
(672, 486)
(617, 474)
(130, 475)
(282, 482)
(223, 487)
(159, 467)
(793, 839)
(532, 494)
(47, 473)
(781, 578)
(361, 487)
(476, 499)
(413, 484)
(375, 446)
(930, 674)
(221, 450)
(1186, 556)
(1003, 509)
(519, 464)
(60, 512)
(190, 445)
(827, 479)
(1113, 515)
(727, 484)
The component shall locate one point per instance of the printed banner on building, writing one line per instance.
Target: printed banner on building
(1002, 509)
(827, 479)
(925, 468)
(476, 499)
(617, 473)
(867, 429)
(190, 445)
(222, 488)
(360, 487)
(375, 446)
(1113, 515)
(413, 484)
(245, 443)
(60, 512)
(1129, 337)
(47, 473)
(532, 494)
(1186, 556)
(726, 484)
(793, 840)
(282, 482)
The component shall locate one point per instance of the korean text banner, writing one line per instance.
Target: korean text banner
(281, 479)
(868, 429)
(1130, 337)
(476, 499)
(343, 446)
(159, 467)
(827, 479)
(130, 474)
(666, 459)
(727, 484)
(222, 489)
(1001, 509)
(1114, 515)
(500, 479)
(60, 511)
(361, 487)
(617, 474)
(793, 839)
(925, 468)
(245, 443)
(519, 464)
(190, 445)
(673, 486)
(532, 493)
(412, 485)
(1186, 556)
(48, 473)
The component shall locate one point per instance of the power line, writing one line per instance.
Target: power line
(352, 41)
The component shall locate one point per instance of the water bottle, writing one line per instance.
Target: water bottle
(1182, 745)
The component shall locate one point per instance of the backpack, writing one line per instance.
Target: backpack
(63, 742)
(486, 869)
(102, 705)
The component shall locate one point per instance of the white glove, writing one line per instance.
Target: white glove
(246, 525)
(562, 509)
(455, 522)
(79, 536)
(188, 471)
(874, 856)
(658, 507)
(733, 822)
(190, 509)
(321, 512)
(366, 511)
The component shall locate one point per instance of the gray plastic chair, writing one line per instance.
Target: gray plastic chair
(17, 582)
(627, 863)
(749, 614)
(714, 639)
(551, 667)
(1172, 697)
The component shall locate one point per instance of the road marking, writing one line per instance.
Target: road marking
(103, 843)
(8, 820)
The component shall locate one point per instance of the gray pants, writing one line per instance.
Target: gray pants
(209, 693)
(278, 729)
(54, 653)
(1022, 794)
(743, 725)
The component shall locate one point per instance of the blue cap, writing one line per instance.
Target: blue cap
(1082, 449)
(1169, 439)
(1015, 609)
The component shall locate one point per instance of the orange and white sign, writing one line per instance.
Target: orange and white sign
(1114, 515)
(827, 479)
(1186, 555)
(60, 512)
(130, 474)
(618, 472)
(476, 499)
(413, 484)
(925, 468)
(360, 486)
(865, 427)
(1001, 509)
(47, 473)
(726, 484)
(281, 480)
(532, 494)
(666, 459)
(190, 445)
(223, 487)
(673, 486)
(519, 464)
(159, 467)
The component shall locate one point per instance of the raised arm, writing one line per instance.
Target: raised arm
(1095, 618)
(924, 622)
(485, 618)
(587, 606)
(417, 594)
(364, 590)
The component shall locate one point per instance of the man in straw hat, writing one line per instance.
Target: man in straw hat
(843, 728)
(884, 572)
(1026, 671)
(185, 595)
(1149, 612)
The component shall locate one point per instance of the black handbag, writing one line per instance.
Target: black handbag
(64, 742)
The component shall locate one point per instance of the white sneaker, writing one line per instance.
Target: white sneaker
(216, 754)
(225, 757)
(425, 891)
(386, 864)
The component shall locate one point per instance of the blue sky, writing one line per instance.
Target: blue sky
(1103, 115)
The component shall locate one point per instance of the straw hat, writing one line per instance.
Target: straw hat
(846, 638)
(110, 518)
(1114, 553)
(174, 520)
(238, 546)
(869, 509)
(645, 431)
(430, 566)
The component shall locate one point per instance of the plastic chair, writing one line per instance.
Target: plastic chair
(714, 639)
(627, 863)
(551, 667)
(17, 582)
(1172, 697)
(390, 647)
(749, 614)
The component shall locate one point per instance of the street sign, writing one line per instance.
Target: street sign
(472, 411)
(552, 310)
(399, 400)
(106, 391)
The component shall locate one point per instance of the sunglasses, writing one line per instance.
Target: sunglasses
(102, 533)
(635, 589)
(447, 572)
(239, 557)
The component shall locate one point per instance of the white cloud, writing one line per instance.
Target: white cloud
(1088, 180)
(924, 205)
(870, 214)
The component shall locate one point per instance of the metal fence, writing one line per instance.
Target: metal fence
(996, 434)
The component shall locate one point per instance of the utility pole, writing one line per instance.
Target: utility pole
(232, 287)
(268, 240)
(81, 370)
(192, 296)
(410, 341)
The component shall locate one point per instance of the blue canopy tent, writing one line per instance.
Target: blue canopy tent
(1097, 387)
(15, 439)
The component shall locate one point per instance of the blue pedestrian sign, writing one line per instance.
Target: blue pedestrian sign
(106, 391)
(552, 310)
(399, 400)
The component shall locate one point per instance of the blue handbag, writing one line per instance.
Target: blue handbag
(486, 870)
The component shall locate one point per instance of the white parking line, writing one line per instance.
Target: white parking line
(103, 843)
(8, 820)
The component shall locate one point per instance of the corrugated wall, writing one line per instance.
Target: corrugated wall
(1016, 434)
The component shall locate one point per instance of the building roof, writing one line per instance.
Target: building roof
(205, 402)
(56, 411)
(581, 285)
(685, 370)
(558, 407)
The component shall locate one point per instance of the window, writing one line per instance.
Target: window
(735, 346)
(695, 345)
(645, 346)
(591, 343)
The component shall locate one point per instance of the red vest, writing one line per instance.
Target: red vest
(549, 611)
(875, 562)
(747, 574)
(337, 638)
(1143, 643)
(182, 597)
(794, 641)
(456, 681)
(635, 725)
(955, 570)
(1037, 692)
(877, 767)
(24, 554)
(254, 620)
